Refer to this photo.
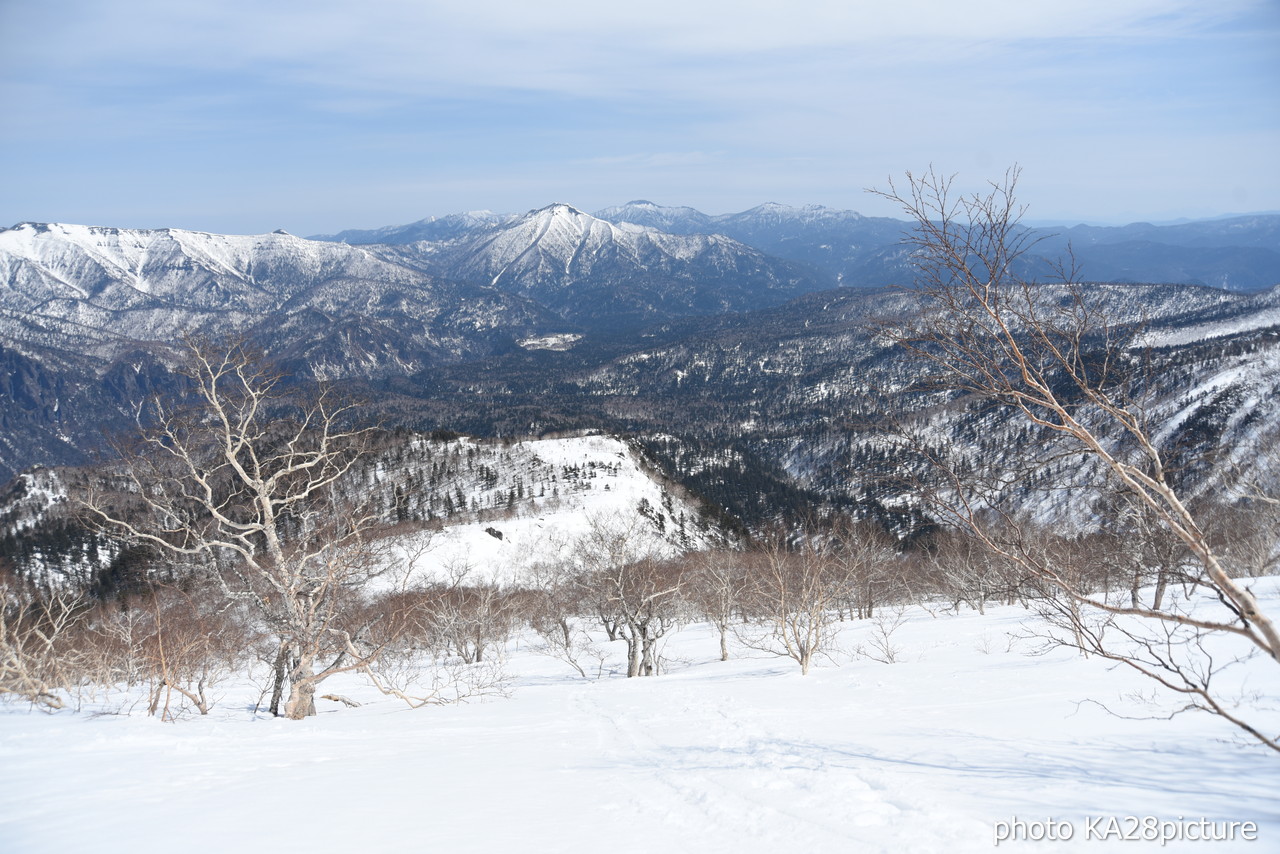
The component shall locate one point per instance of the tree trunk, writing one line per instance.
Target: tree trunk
(302, 689)
(648, 666)
(1162, 581)
(633, 654)
(302, 700)
(277, 689)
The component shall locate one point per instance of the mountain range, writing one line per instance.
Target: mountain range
(591, 271)
(722, 345)
(1236, 253)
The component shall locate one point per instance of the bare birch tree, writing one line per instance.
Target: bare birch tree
(36, 663)
(1054, 360)
(245, 477)
(637, 591)
(718, 588)
(794, 591)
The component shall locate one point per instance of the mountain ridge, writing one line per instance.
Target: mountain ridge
(590, 270)
(1238, 253)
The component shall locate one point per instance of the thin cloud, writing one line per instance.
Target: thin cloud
(450, 95)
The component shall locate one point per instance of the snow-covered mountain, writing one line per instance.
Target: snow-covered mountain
(1236, 253)
(843, 243)
(676, 220)
(759, 221)
(591, 270)
(1240, 253)
(432, 228)
(110, 288)
(89, 320)
(491, 510)
(538, 322)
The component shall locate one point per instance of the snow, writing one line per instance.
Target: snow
(41, 489)
(557, 341)
(559, 242)
(159, 261)
(1261, 319)
(543, 529)
(924, 755)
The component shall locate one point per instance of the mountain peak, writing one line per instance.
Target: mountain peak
(556, 208)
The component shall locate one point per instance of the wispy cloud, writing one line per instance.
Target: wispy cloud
(819, 97)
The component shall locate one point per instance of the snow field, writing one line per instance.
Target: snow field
(545, 529)
(923, 755)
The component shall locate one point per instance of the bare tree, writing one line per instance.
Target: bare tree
(717, 588)
(1051, 358)
(438, 645)
(469, 620)
(244, 478)
(37, 663)
(557, 605)
(195, 642)
(795, 590)
(970, 572)
(868, 565)
(636, 589)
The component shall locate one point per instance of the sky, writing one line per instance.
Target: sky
(244, 117)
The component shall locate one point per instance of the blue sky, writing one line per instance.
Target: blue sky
(315, 116)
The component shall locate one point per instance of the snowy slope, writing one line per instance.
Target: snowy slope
(565, 486)
(491, 510)
(925, 755)
(1229, 318)
(117, 268)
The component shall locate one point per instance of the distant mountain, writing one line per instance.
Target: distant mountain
(1258, 231)
(90, 319)
(1240, 253)
(838, 242)
(559, 320)
(678, 220)
(591, 271)
(98, 290)
(1237, 253)
(431, 228)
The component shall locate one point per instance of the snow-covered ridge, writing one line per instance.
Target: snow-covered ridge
(561, 238)
(1232, 316)
(42, 261)
(520, 504)
(491, 509)
(96, 290)
(687, 220)
(1215, 329)
(430, 228)
(587, 269)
